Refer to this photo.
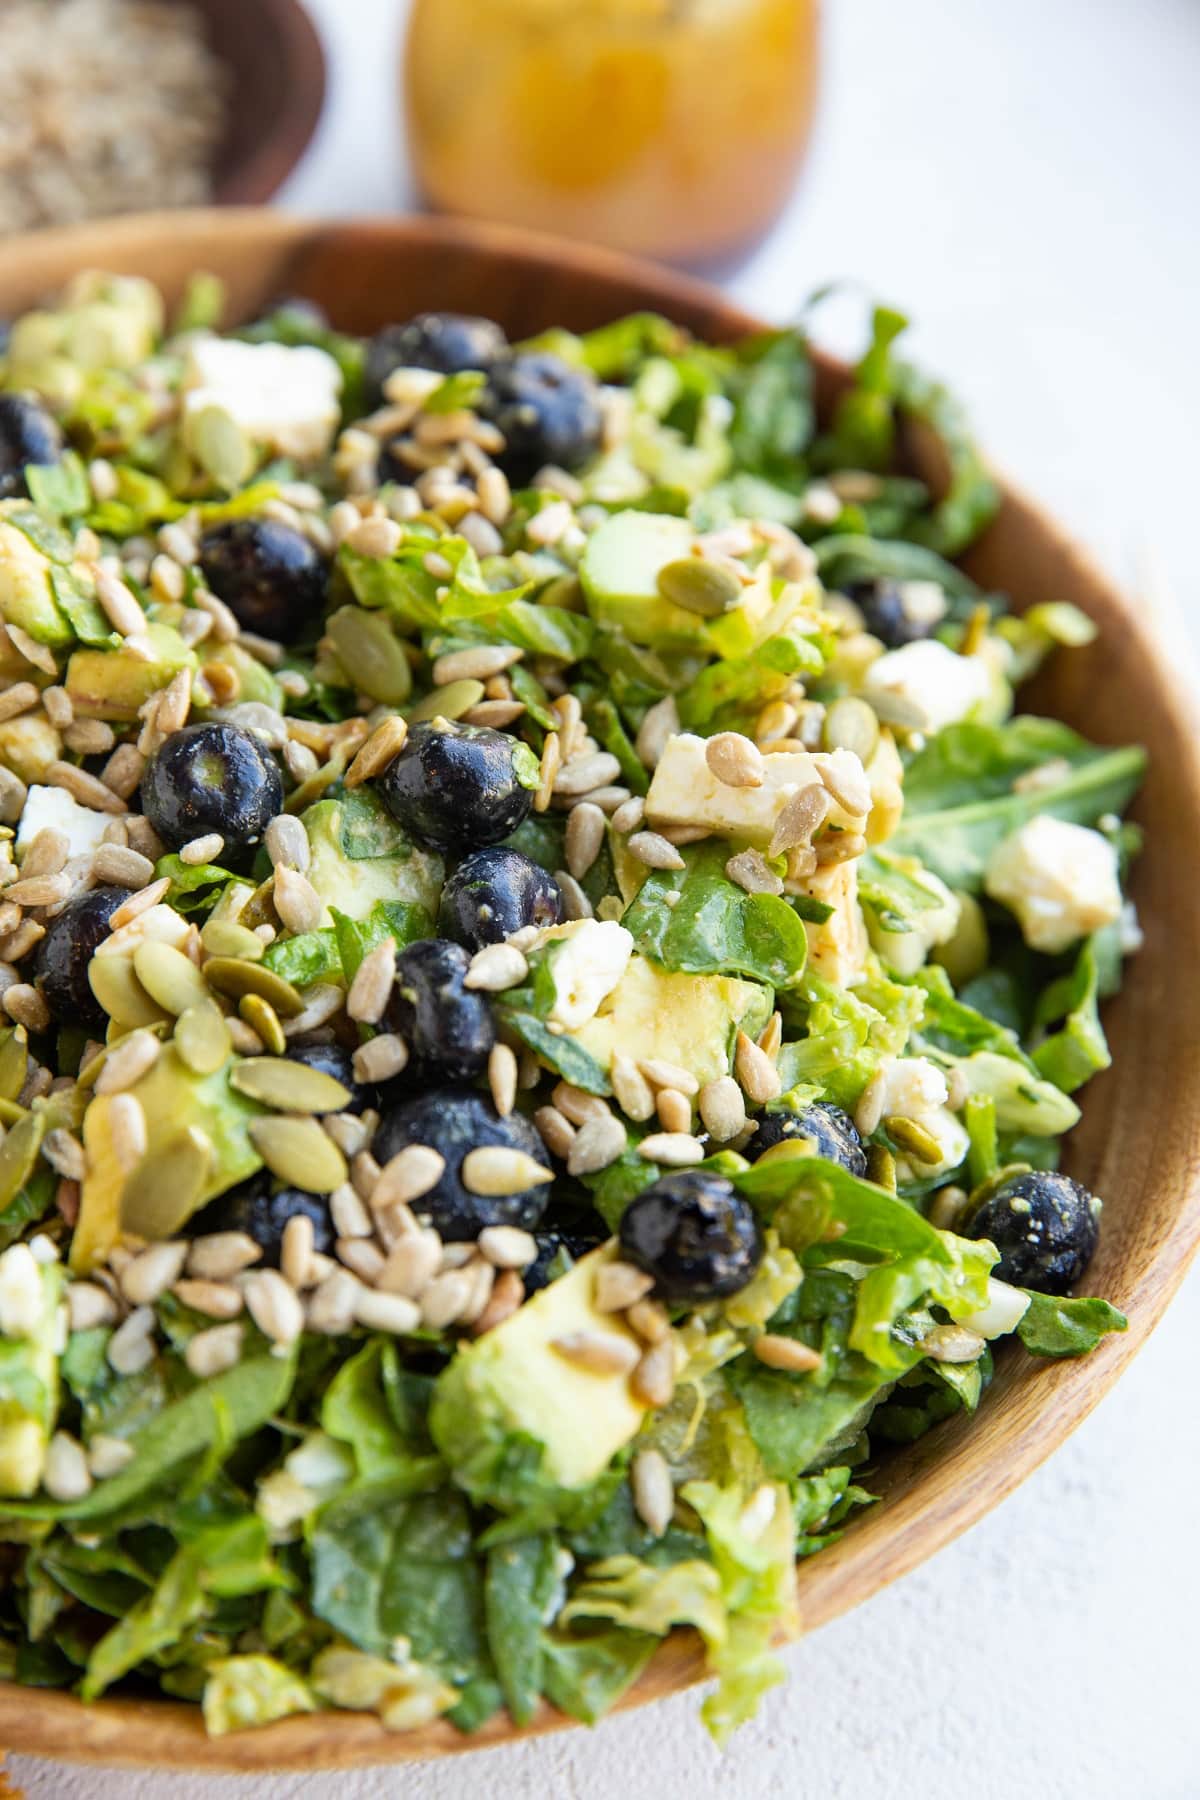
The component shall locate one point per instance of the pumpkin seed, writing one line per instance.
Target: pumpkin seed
(699, 586)
(449, 702)
(170, 978)
(167, 1186)
(220, 446)
(299, 1153)
(261, 1017)
(231, 975)
(120, 992)
(10, 1112)
(202, 1037)
(19, 1152)
(225, 937)
(370, 654)
(14, 1062)
(289, 1086)
(850, 724)
(908, 1135)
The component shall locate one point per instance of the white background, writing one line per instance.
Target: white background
(1023, 178)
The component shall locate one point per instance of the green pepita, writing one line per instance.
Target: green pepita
(14, 1062)
(699, 586)
(449, 702)
(167, 1186)
(19, 1153)
(261, 1016)
(370, 654)
(289, 1086)
(850, 724)
(202, 1037)
(881, 1167)
(299, 1153)
(170, 978)
(235, 977)
(908, 1135)
(121, 994)
(225, 937)
(220, 446)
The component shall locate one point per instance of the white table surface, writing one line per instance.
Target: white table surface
(1022, 178)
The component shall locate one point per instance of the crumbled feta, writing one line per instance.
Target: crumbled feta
(942, 686)
(284, 398)
(1006, 1307)
(685, 791)
(22, 1293)
(914, 1088)
(1059, 879)
(906, 951)
(53, 807)
(587, 959)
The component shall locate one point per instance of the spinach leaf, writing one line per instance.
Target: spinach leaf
(313, 956)
(1056, 1327)
(969, 762)
(848, 558)
(523, 1589)
(774, 411)
(697, 921)
(369, 1405)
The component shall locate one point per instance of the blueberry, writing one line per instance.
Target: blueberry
(262, 1211)
(569, 1242)
(897, 612)
(495, 892)
(832, 1130)
(448, 343)
(28, 434)
(455, 787)
(1045, 1227)
(452, 1121)
(696, 1237)
(448, 1028)
(269, 576)
(547, 411)
(67, 949)
(335, 1060)
(212, 777)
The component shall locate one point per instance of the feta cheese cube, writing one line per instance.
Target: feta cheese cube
(284, 398)
(685, 791)
(1059, 879)
(587, 959)
(942, 686)
(837, 947)
(54, 808)
(915, 1088)
(1005, 1308)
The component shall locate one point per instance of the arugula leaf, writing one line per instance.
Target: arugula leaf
(1078, 1049)
(969, 761)
(714, 927)
(313, 956)
(1057, 1328)
(848, 557)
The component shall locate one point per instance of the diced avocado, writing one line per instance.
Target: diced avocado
(29, 1392)
(513, 1383)
(255, 681)
(619, 573)
(689, 1020)
(28, 745)
(113, 684)
(174, 1099)
(353, 866)
(26, 594)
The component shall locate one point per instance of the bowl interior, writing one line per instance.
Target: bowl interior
(1139, 1140)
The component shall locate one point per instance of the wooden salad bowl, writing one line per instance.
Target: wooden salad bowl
(1139, 1142)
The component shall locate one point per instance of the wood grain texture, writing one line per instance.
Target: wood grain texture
(276, 72)
(1139, 1142)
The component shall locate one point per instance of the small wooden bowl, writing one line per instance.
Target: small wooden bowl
(1139, 1142)
(277, 88)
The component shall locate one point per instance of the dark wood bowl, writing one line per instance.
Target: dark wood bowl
(277, 73)
(1139, 1142)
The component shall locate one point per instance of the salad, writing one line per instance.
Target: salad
(544, 980)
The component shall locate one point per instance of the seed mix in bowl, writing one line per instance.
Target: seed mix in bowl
(544, 980)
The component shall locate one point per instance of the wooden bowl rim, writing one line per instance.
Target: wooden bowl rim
(287, 31)
(951, 1493)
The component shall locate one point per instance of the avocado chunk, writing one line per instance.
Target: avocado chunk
(176, 1102)
(26, 589)
(689, 1020)
(513, 1383)
(28, 1381)
(28, 745)
(359, 855)
(113, 684)
(619, 573)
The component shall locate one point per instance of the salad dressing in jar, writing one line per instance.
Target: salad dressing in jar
(667, 127)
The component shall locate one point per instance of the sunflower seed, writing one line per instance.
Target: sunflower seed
(668, 1074)
(620, 1285)
(661, 722)
(215, 1299)
(952, 1344)
(723, 1108)
(751, 871)
(507, 1247)
(594, 770)
(654, 851)
(130, 1349)
(137, 904)
(350, 1217)
(152, 1272)
(674, 1110)
(601, 1352)
(548, 769)
(201, 850)
(65, 1474)
(502, 1078)
(108, 1455)
(631, 1090)
(382, 747)
(495, 968)
(475, 664)
(214, 1351)
(585, 836)
(508, 1291)
(39, 890)
(411, 1264)
(653, 1381)
(273, 1305)
(123, 612)
(123, 867)
(577, 1104)
(734, 760)
(676, 1149)
(19, 699)
(653, 1492)
(220, 1255)
(127, 1129)
(799, 818)
(380, 1058)
(372, 984)
(297, 901)
(597, 1144)
(48, 853)
(299, 1152)
(331, 1305)
(89, 1306)
(445, 1299)
(393, 1313)
(786, 1353)
(756, 1073)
